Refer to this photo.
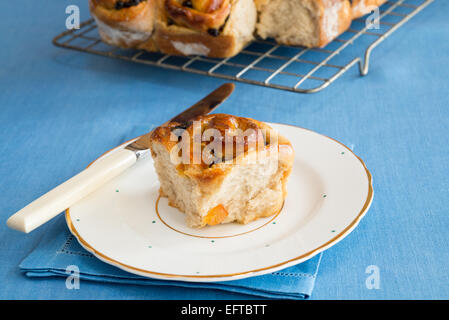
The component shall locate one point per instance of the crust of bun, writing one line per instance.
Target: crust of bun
(126, 28)
(336, 17)
(361, 7)
(237, 32)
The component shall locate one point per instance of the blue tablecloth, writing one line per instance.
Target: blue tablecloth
(396, 119)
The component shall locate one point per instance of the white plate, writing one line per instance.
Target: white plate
(329, 191)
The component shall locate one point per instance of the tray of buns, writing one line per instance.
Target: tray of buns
(300, 46)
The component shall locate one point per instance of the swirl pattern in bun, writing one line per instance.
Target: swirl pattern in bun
(124, 23)
(213, 28)
(200, 15)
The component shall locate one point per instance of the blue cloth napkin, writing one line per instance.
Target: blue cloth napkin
(59, 249)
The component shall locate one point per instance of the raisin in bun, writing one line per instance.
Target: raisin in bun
(125, 23)
(213, 28)
(239, 183)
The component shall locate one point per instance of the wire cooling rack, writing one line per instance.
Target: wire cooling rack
(267, 63)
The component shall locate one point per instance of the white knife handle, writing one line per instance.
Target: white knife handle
(66, 194)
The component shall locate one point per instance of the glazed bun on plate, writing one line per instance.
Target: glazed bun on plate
(236, 173)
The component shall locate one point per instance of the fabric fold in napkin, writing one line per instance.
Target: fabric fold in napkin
(59, 249)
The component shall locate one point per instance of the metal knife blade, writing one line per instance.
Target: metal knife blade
(202, 107)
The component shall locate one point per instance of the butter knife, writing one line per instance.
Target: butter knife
(101, 171)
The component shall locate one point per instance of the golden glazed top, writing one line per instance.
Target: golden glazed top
(200, 15)
(118, 10)
(117, 4)
(206, 145)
